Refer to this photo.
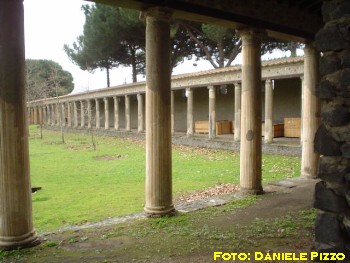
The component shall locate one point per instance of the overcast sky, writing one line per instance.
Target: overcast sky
(49, 24)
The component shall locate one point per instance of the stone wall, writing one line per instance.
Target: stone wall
(332, 195)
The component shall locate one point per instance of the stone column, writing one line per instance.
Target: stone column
(69, 115)
(268, 111)
(172, 112)
(16, 225)
(212, 112)
(190, 123)
(237, 122)
(89, 113)
(116, 113)
(106, 113)
(127, 113)
(158, 114)
(35, 115)
(98, 125)
(311, 113)
(140, 112)
(250, 152)
(57, 114)
(82, 114)
(44, 115)
(53, 115)
(63, 115)
(75, 114)
(48, 115)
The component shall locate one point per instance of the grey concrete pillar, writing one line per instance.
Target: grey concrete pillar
(250, 152)
(190, 122)
(268, 138)
(212, 112)
(116, 113)
(140, 115)
(237, 121)
(16, 225)
(127, 113)
(311, 113)
(158, 114)
(106, 113)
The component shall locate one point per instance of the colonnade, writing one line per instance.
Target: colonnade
(16, 228)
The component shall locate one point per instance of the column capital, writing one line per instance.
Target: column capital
(237, 84)
(158, 13)
(310, 50)
(211, 87)
(251, 35)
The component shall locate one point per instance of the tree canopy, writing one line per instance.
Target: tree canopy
(45, 78)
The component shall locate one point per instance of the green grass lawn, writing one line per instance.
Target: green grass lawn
(81, 185)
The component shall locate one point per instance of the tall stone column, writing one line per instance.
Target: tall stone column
(116, 112)
(212, 112)
(250, 152)
(237, 122)
(158, 114)
(140, 114)
(48, 115)
(44, 115)
(69, 114)
(106, 113)
(57, 114)
(35, 115)
(98, 124)
(268, 111)
(16, 226)
(127, 113)
(190, 123)
(63, 114)
(75, 114)
(53, 115)
(82, 114)
(172, 112)
(311, 113)
(89, 113)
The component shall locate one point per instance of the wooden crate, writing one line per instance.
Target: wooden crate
(278, 130)
(292, 127)
(201, 126)
(223, 127)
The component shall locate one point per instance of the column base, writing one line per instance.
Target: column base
(25, 241)
(248, 191)
(160, 211)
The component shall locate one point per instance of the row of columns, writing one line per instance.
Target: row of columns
(16, 227)
(50, 114)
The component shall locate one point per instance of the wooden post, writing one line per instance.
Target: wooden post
(268, 138)
(190, 124)
(127, 113)
(311, 113)
(98, 124)
(250, 153)
(106, 113)
(16, 225)
(172, 112)
(237, 122)
(140, 126)
(212, 112)
(116, 112)
(158, 114)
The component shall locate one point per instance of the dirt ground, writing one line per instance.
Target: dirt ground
(259, 226)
